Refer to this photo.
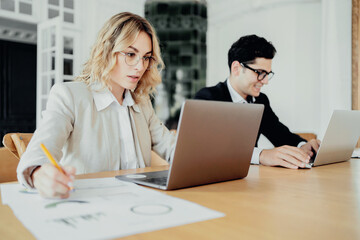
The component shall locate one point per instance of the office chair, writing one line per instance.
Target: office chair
(16, 143)
(8, 165)
(307, 136)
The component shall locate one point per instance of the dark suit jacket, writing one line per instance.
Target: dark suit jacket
(270, 126)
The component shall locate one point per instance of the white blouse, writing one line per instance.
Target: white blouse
(128, 158)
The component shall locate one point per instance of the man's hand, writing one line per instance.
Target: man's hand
(51, 183)
(286, 156)
(312, 144)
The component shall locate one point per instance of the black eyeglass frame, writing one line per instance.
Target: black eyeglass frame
(151, 63)
(261, 73)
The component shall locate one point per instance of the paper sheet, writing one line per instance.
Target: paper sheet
(101, 208)
(356, 153)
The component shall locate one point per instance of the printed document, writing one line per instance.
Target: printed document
(101, 208)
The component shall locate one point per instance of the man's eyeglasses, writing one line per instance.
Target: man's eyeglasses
(133, 59)
(261, 73)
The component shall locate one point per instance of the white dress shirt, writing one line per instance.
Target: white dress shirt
(128, 158)
(236, 98)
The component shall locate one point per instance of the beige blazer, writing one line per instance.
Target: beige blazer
(77, 133)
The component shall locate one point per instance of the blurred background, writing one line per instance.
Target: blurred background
(47, 41)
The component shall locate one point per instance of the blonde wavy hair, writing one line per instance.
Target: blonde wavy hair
(118, 33)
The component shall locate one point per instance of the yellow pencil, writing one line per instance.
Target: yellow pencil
(52, 160)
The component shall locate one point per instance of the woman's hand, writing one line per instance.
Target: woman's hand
(52, 183)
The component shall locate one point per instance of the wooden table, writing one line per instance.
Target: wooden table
(270, 203)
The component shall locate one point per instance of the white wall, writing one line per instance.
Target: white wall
(95, 13)
(312, 38)
(313, 41)
(296, 28)
(335, 81)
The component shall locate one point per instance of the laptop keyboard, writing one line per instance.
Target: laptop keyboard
(157, 180)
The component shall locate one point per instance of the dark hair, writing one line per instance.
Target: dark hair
(250, 47)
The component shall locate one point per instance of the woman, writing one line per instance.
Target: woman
(105, 120)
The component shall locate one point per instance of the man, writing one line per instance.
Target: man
(249, 61)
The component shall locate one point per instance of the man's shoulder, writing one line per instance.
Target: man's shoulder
(262, 98)
(217, 92)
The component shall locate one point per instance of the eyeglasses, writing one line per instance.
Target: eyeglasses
(261, 73)
(133, 59)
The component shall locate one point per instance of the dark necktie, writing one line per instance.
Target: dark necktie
(249, 99)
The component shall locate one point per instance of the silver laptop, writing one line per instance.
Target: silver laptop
(215, 141)
(340, 138)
